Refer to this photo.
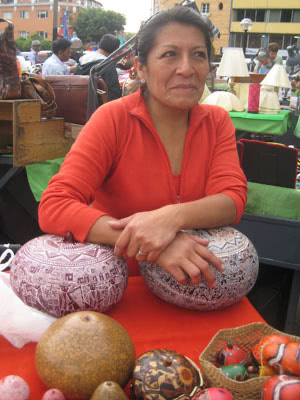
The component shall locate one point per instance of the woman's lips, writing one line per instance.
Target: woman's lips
(184, 87)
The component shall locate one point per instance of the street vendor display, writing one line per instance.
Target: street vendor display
(150, 322)
(144, 171)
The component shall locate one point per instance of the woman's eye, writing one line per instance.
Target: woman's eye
(169, 54)
(200, 54)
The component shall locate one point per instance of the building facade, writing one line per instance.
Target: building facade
(271, 22)
(37, 16)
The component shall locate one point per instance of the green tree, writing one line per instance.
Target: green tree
(92, 24)
(25, 44)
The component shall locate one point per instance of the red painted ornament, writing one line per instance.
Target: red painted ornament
(284, 358)
(281, 387)
(213, 394)
(231, 354)
(269, 339)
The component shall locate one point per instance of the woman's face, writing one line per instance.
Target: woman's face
(177, 66)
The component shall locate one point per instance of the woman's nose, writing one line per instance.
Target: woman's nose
(185, 66)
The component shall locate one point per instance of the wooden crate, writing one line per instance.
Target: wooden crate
(29, 137)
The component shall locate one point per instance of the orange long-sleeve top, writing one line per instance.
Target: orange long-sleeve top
(119, 165)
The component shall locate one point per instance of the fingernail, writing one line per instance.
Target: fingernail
(222, 267)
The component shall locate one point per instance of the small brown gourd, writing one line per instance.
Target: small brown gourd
(109, 391)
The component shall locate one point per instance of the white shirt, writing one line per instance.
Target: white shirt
(33, 57)
(91, 56)
(54, 66)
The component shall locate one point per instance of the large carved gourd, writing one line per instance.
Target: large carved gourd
(60, 276)
(241, 269)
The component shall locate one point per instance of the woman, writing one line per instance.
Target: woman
(154, 163)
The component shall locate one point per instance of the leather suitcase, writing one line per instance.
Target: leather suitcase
(71, 96)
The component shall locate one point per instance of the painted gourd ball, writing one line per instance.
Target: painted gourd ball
(164, 374)
(241, 269)
(81, 350)
(60, 276)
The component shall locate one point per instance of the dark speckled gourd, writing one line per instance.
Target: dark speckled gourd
(109, 391)
(81, 350)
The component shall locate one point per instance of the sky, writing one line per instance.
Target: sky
(135, 11)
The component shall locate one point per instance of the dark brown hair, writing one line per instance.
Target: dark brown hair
(273, 47)
(178, 14)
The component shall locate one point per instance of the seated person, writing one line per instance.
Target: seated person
(56, 64)
(155, 163)
(108, 44)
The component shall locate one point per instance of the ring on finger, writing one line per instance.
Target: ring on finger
(141, 253)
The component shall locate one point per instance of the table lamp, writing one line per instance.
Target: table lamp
(233, 65)
(269, 98)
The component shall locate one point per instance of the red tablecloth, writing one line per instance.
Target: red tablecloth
(151, 322)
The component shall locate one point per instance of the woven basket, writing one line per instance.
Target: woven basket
(244, 337)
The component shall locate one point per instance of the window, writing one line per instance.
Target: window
(250, 14)
(255, 41)
(24, 34)
(205, 8)
(260, 16)
(286, 16)
(274, 16)
(296, 16)
(254, 15)
(7, 15)
(238, 15)
(43, 34)
(42, 14)
(24, 14)
(273, 38)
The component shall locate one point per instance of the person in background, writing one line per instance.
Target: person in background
(154, 164)
(273, 51)
(108, 44)
(121, 37)
(56, 64)
(33, 56)
(265, 62)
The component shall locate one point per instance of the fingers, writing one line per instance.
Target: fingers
(200, 240)
(141, 255)
(179, 274)
(195, 260)
(122, 243)
(202, 268)
(210, 258)
(119, 224)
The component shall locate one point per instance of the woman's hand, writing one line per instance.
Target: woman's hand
(146, 234)
(188, 256)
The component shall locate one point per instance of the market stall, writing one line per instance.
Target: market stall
(151, 323)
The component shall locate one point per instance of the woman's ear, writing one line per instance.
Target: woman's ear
(140, 68)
